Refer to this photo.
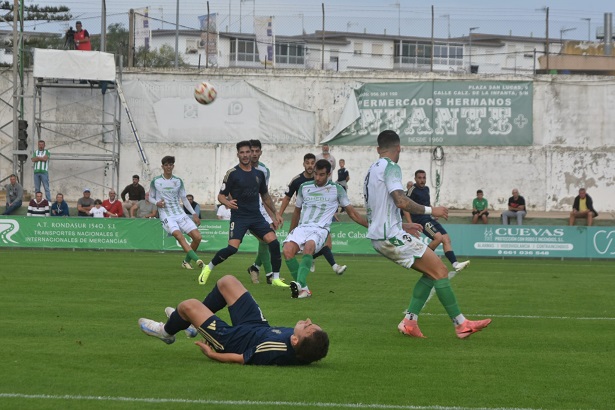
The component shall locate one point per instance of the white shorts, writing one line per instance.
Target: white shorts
(401, 249)
(301, 234)
(183, 223)
(265, 214)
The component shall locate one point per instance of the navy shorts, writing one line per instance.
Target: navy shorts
(256, 224)
(223, 337)
(430, 226)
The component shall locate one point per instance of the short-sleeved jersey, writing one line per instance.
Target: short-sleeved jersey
(246, 187)
(383, 177)
(295, 183)
(516, 202)
(170, 190)
(422, 197)
(480, 204)
(319, 204)
(262, 167)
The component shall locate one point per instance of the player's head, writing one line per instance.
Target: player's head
(389, 145)
(322, 172)
(420, 177)
(165, 160)
(479, 194)
(310, 342)
(309, 161)
(168, 163)
(256, 148)
(244, 152)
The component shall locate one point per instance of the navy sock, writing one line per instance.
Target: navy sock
(276, 255)
(326, 252)
(176, 324)
(214, 301)
(450, 255)
(223, 254)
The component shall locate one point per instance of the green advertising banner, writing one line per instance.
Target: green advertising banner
(347, 238)
(439, 113)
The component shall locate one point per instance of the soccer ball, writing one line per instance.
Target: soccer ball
(205, 93)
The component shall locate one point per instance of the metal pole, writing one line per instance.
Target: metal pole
(177, 35)
(432, 40)
(240, 1)
(547, 37)
(322, 51)
(207, 40)
(103, 27)
(131, 38)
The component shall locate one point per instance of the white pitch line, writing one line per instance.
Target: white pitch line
(246, 402)
(527, 316)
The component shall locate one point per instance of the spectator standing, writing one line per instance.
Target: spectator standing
(195, 206)
(223, 213)
(113, 206)
(38, 206)
(480, 208)
(144, 209)
(516, 208)
(59, 207)
(41, 169)
(326, 154)
(82, 38)
(132, 194)
(85, 203)
(14, 195)
(583, 207)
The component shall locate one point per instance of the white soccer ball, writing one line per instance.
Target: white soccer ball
(205, 93)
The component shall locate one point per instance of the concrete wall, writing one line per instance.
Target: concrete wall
(573, 145)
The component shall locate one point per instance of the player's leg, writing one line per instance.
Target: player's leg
(430, 230)
(450, 254)
(276, 258)
(327, 252)
(290, 250)
(306, 262)
(237, 230)
(187, 225)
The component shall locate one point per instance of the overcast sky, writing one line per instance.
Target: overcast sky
(521, 17)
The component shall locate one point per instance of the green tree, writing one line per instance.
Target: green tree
(164, 57)
(116, 41)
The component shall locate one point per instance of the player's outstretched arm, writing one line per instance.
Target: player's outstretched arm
(407, 204)
(355, 216)
(219, 357)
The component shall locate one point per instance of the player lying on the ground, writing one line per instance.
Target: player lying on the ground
(249, 340)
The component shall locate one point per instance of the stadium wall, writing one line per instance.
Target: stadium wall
(572, 148)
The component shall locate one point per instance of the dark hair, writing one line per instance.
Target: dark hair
(190, 195)
(323, 164)
(43, 141)
(97, 202)
(168, 160)
(312, 348)
(387, 139)
(38, 192)
(245, 143)
(480, 191)
(255, 143)
(419, 171)
(136, 176)
(309, 155)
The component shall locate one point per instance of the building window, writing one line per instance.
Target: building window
(244, 50)
(286, 53)
(377, 50)
(358, 48)
(417, 53)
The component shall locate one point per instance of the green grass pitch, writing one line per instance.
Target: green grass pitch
(70, 338)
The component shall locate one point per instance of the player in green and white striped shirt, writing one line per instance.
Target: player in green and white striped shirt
(317, 202)
(166, 191)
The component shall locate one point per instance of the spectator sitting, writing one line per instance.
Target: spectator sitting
(132, 194)
(516, 208)
(113, 206)
(144, 209)
(85, 203)
(14, 195)
(583, 207)
(195, 206)
(223, 213)
(59, 207)
(38, 206)
(480, 208)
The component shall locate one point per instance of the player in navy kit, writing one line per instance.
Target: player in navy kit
(419, 193)
(250, 339)
(242, 187)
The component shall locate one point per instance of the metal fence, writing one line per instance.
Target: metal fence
(366, 37)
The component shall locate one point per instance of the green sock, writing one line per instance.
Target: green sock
(264, 256)
(293, 267)
(304, 269)
(191, 256)
(447, 297)
(420, 294)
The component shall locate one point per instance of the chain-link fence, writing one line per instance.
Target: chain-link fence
(248, 34)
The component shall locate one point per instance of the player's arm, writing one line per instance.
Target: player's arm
(219, 357)
(270, 207)
(408, 205)
(283, 205)
(355, 216)
(195, 217)
(295, 220)
(224, 200)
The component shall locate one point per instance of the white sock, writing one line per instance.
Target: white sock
(276, 275)
(412, 316)
(455, 264)
(459, 319)
(211, 266)
(335, 266)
